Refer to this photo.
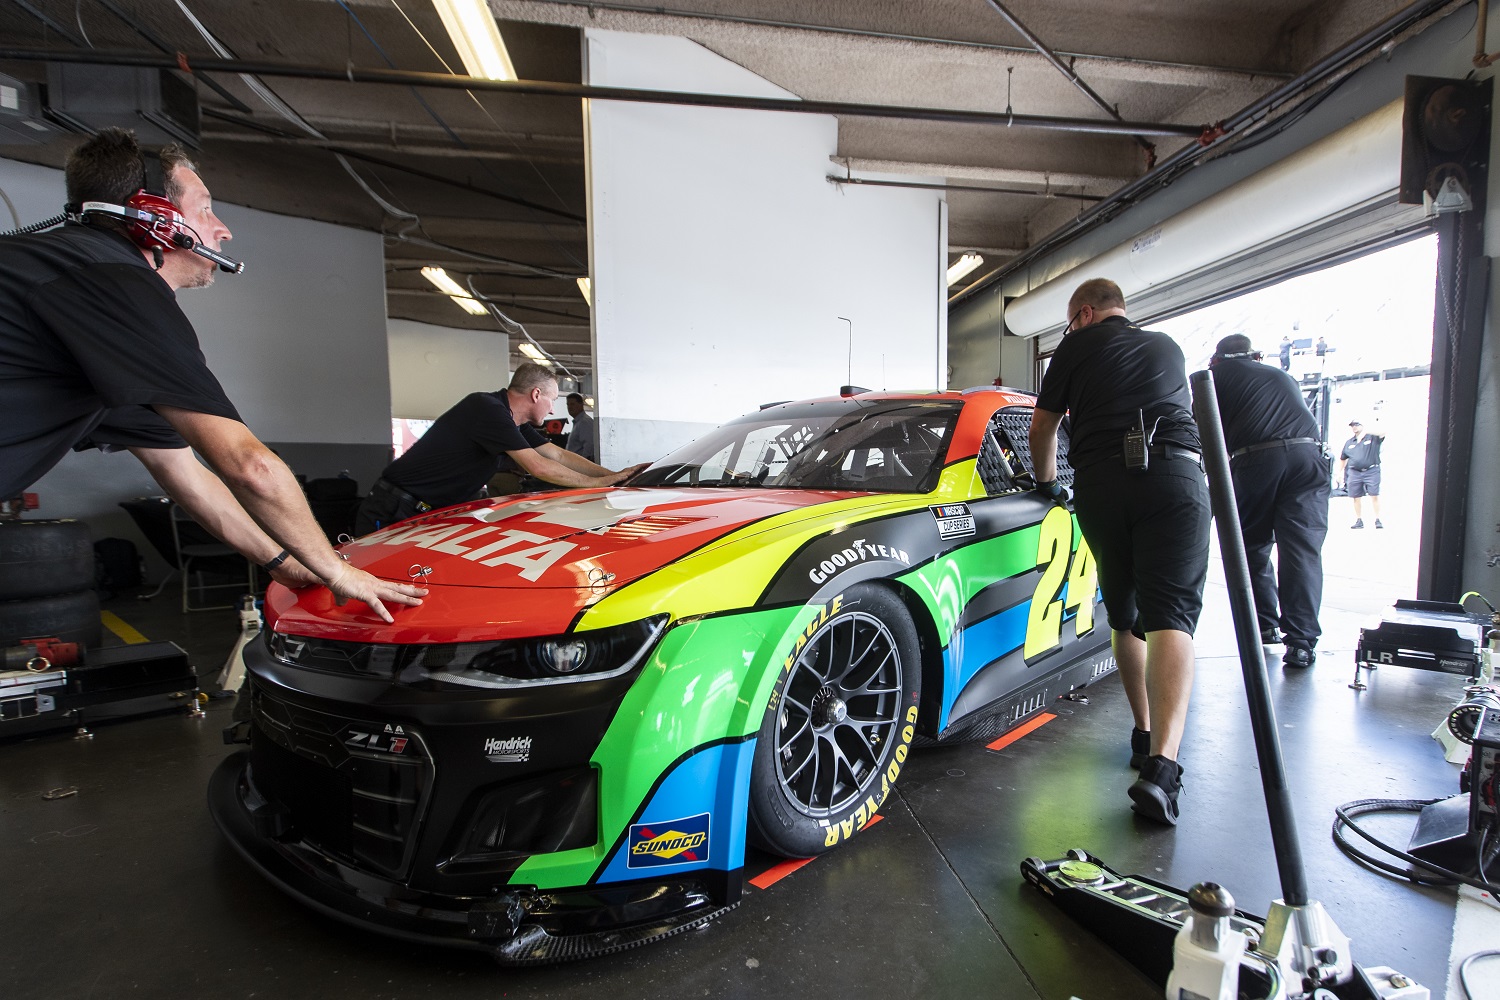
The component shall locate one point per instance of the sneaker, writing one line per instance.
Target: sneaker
(1358, 524)
(1298, 656)
(1270, 637)
(1378, 524)
(1140, 748)
(1155, 793)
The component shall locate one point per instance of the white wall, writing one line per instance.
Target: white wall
(298, 341)
(433, 367)
(722, 257)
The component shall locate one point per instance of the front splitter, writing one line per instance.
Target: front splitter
(499, 925)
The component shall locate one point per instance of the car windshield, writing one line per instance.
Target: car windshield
(886, 446)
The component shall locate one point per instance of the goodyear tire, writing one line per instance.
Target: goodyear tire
(42, 558)
(839, 725)
(70, 617)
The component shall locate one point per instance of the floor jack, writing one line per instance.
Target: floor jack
(1196, 944)
(233, 674)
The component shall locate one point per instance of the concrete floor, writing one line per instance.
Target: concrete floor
(128, 890)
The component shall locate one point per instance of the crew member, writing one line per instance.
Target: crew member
(93, 348)
(463, 449)
(581, 437)
(1146, 520)
(1281, 489)
(1359, 470)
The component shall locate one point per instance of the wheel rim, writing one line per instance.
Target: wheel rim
(839, 710)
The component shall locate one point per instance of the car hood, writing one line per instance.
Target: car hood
(555, 554)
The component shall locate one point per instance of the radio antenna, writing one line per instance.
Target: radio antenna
(850, 373)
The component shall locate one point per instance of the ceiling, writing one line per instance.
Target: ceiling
(491, 186)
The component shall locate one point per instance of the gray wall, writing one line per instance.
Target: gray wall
(298, 341)
(722, 258)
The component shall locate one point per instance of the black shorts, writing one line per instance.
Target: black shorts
(1149, 535)
(1363, 482)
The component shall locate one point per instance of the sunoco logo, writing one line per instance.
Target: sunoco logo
(516, 750)
(674, 842)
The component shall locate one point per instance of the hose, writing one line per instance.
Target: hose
(1440, 876)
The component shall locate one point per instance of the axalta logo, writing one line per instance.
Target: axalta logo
(858, 551)
(516, 750)
(674, 842)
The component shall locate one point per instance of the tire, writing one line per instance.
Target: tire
(838, 727)
(42, 558)
(70, 617)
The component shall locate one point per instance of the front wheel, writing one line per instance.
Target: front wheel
(838, 727)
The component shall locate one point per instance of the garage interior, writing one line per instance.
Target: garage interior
(955, 169)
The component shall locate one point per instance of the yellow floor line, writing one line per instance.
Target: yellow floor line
(117, 625)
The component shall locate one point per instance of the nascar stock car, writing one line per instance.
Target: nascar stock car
(609, 692)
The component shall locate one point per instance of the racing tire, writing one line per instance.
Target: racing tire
(838, 727)
(70, 617)
(43, 558)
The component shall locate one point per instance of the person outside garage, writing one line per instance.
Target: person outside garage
(1281, 490)
(1359, 471)
(1286, 353)
(581, 437)
(95, 352)
(1147, 527)
(464, 447)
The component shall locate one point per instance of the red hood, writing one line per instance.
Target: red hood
(574, 547)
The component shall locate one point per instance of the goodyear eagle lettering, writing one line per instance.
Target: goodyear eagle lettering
(819, 620)
(857, 552)
(865, 813)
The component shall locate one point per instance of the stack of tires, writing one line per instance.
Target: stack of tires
(47, 582)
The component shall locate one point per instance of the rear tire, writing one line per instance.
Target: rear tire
(42, 558)
(838, 728)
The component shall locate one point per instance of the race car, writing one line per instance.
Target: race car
(609, 693)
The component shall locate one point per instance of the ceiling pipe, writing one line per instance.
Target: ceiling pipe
(50, 24)
(1071, 74)
(548, 88)
(1166, 171)
(1029, 192)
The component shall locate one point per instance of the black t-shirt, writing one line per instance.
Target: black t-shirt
(1363, 453)
(1259, 403)
(86, 325)
(462, 450)
(1103, 374)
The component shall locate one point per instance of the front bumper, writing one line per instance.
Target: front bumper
(363, 802)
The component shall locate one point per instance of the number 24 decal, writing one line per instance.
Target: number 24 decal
(1044, 620)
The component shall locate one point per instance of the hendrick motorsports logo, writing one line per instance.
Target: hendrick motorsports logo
(953, 520)
(858, 551)
(673, 842)
(516, 750)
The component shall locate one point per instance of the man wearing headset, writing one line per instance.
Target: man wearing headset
(1281, 489)
(1142, 504)
(94, 351)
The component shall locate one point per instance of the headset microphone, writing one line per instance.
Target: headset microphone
(156, 225)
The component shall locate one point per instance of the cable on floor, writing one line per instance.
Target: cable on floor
(1439, 876)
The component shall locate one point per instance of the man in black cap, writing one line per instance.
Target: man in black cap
(1144, 512)
(1281, 489)
(1359, 470)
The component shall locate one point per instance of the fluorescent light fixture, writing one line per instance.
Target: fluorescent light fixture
(477, 38)
(456, 292)
(587, 289)
(531, 352)
(963, 266)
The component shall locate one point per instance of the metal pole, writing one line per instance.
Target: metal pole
(547, 88)
(1247, 631)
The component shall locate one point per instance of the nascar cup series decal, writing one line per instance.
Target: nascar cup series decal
(953, 519)
(674, 842)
